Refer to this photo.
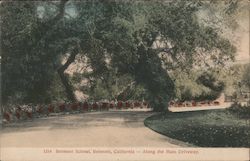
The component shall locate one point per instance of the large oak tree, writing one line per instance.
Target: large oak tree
(35, 36)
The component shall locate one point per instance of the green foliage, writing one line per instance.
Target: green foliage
(233, 78)
(240, 111)
(209, 80)
(246, 76)
(188, 85)
(99, 92)
(26, 69)
(203, 128)
(198, 84)
(56, 90)
(35, 41)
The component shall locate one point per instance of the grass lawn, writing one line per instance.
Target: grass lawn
(217, 128)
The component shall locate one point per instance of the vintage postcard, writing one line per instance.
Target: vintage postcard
(127, 80)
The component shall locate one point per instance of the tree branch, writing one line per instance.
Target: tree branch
(166, 50)
(70, 60)
(125, 89)
(68, 87)
(65, 81)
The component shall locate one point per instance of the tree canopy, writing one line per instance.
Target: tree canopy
(145, 40)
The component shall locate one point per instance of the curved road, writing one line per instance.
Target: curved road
(96, 129)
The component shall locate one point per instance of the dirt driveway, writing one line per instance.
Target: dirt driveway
(97, 129)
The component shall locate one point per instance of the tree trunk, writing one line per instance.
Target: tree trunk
(150, 73)
(44, 30)
(65, 81)
(68, 87)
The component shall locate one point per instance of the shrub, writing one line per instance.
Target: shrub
(240, 111)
